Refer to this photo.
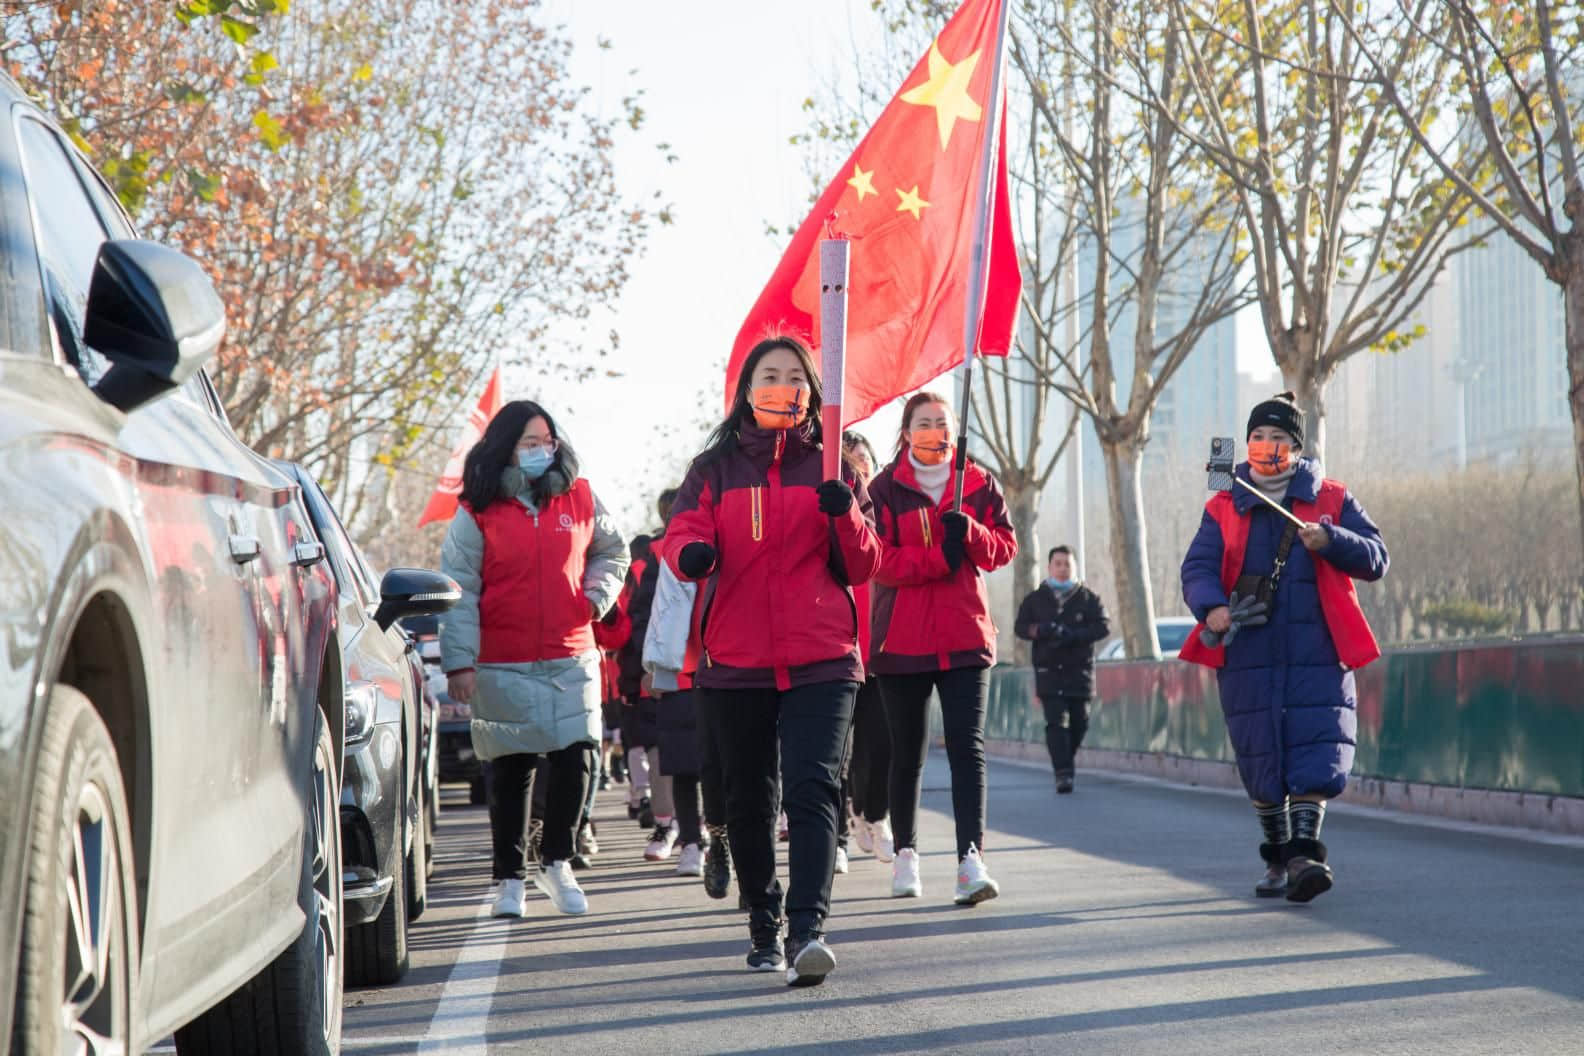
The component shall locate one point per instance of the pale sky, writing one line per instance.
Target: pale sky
(724, 84)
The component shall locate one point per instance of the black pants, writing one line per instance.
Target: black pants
(1066, 722)
(869, 776)
(511, 780)
(685, 794)
(806, 726)
(712, 780)
(963, 694)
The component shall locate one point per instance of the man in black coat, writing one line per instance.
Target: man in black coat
(1064, 619)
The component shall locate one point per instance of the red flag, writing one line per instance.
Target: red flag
(443, 503)
(907, 198)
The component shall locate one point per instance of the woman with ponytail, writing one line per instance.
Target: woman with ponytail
(932, 631)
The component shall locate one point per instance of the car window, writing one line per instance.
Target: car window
(359, 573)
(1171, 636)
(68, 238)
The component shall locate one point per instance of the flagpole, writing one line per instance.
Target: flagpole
(978, 275)
(834, 259)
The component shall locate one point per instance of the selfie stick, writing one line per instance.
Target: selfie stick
(1267, 500)
(834, 257)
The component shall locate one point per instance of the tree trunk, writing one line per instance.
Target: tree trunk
(1306, 383)
(1573, 312)
(1023, 508)
(1135, 601)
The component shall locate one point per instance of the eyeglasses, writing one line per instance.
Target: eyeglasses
(535, 444)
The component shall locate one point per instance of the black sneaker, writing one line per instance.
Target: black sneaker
(1064, 783)
(645, 814)
(809, 961)
(767, 955)
(604, 782)
(717, 870)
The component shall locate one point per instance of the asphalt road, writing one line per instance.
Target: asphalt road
(1127, 924)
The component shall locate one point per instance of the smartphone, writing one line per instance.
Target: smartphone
(1223, 461)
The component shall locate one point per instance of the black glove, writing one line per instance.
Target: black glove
(835, 498)
(954, 552)
(956, 523)
(696, 559)
(1056, 632)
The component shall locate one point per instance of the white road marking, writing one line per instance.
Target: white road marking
(461, 1017)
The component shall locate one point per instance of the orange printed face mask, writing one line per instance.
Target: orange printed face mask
(930, 446)
(1269, 457)
(780, 406)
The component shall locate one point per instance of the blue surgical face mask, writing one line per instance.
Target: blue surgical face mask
(534, 463)
(1059, 584)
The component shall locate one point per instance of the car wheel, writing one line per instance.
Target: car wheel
(75, 984)
(377, 951)
(417, 865)
(294, 1004)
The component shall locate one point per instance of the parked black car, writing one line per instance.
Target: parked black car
(424, 631)
(170, 678)
(457, 763)
(385, 792)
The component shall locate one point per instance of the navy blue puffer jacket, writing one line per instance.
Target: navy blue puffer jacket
(1289, 703)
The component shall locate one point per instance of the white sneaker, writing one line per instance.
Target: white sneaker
(509, 899)
(884, 844)
(586, 841)
(863, 835)
(661, 842)
(905, 882)
(973, 880)
(691, 861)
(841, 861)
(561, 887)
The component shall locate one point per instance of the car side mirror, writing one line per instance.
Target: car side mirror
(414, 592)
(154, 314)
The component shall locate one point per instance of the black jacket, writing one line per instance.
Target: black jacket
(630, 659)
(1064, 631)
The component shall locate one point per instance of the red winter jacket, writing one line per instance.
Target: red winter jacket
(778, 609)
(926, 617)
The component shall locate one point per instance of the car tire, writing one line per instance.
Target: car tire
(77, 891)
(417, 866)
(376, 952)
(294, 1004)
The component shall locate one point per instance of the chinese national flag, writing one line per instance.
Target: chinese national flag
(908, 200)
(443, 503)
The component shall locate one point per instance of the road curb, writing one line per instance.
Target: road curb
(1559, 815)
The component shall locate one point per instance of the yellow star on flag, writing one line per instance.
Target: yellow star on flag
(862, 182)
(947, 91)
(912, 203)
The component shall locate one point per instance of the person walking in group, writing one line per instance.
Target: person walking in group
(777, 550)
(933, 631)
(538, 560)
(1283, 627)
(1064, 619)
(868, 769)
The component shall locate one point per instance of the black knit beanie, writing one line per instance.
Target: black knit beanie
(1280, 411)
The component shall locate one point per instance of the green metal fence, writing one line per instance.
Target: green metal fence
(1506, 715)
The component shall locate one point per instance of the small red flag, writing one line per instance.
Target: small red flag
(908, 200)
(443, 503)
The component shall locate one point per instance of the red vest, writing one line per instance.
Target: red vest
(1350, 631)
(532, 606)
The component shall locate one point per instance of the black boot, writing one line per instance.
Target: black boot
(1064, 782)
(717, 867)
(1307, 872)
(1274, 820)
(764, 929)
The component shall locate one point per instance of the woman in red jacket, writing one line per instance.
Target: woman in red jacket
(779, 551)
(932, 631)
